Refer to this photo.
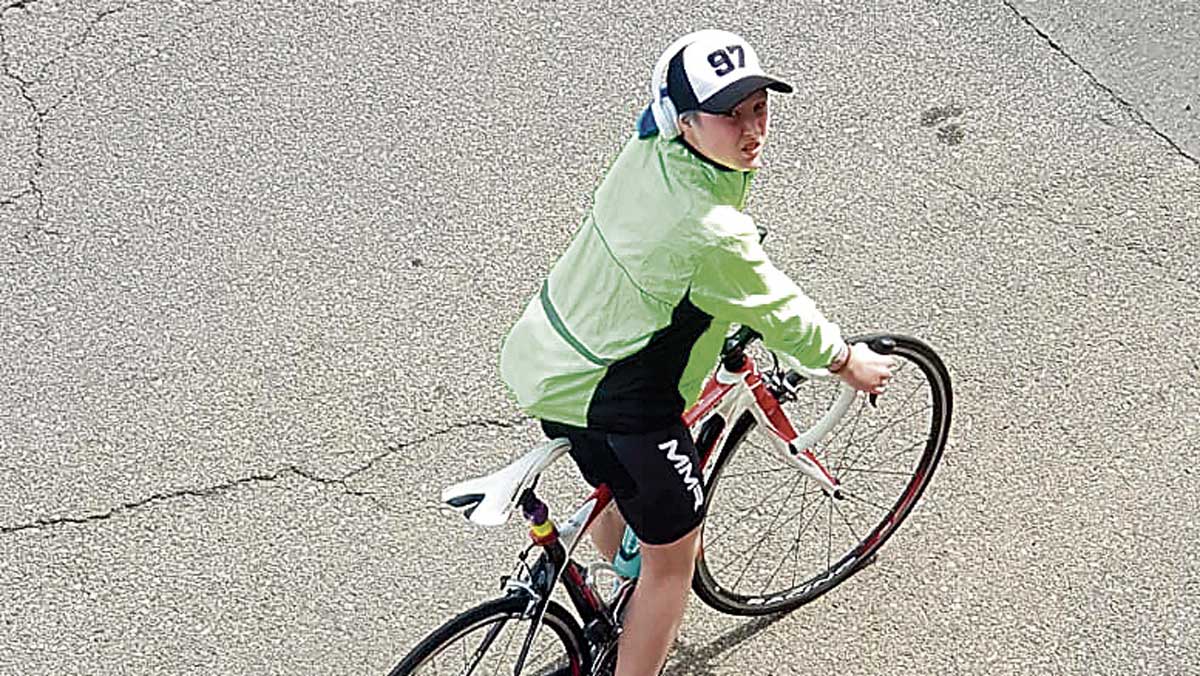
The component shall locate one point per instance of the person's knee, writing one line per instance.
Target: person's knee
(671, 559)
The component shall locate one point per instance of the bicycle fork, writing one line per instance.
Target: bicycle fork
(796, 448)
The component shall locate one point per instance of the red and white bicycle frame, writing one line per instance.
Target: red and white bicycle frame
(729, 394)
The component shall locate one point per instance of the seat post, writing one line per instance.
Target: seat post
(542, 530)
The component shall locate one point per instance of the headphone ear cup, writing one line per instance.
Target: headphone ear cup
(670, 127)
(665, 117)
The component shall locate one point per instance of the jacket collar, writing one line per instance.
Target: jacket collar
(727, 186)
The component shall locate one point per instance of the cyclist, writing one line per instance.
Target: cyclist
(631, 318)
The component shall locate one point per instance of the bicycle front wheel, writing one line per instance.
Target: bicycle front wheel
(487, 639)
(773, 540)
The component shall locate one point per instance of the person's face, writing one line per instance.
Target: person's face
(735, 140)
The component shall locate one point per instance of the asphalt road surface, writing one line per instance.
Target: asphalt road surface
(256, 260)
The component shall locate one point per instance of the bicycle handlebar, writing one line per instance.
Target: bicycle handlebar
(733, 351)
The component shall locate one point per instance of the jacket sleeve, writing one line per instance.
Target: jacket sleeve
(734, 281)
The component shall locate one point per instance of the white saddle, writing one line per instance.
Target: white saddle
(489, 500)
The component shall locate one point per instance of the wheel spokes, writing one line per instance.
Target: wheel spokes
(495, 654)
(763, 526)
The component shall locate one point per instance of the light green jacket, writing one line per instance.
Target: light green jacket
(632, 317)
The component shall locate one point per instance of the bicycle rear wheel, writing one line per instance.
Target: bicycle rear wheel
(772, 540)
(487, 639)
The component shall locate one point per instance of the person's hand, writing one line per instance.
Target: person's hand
(867, 370)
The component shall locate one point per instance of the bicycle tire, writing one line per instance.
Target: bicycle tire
(574, 661)
(723, 596)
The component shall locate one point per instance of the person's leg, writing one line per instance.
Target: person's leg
(657, 606)
(664, 504)
(591, 453)
(607, 531)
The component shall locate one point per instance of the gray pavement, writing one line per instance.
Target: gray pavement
(256, 261)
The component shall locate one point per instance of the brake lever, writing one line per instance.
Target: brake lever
(788, 383)
(880, 345)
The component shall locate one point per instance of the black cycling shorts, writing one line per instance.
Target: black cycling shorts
(654, 477)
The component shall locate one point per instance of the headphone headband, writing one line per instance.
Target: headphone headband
(661, 105)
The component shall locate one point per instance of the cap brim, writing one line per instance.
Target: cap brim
(727, 99)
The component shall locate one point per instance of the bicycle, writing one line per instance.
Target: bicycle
(826, 468)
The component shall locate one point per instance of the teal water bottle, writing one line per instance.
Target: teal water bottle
(628, 560)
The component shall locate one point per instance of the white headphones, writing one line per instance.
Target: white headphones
(666, 118)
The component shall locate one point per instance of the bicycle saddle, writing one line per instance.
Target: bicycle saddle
(489, 500)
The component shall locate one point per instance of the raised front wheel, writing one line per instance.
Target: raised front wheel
(773, 540)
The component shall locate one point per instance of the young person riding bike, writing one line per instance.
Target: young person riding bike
(631, 318)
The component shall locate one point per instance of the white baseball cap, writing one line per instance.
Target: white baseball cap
(714, 72)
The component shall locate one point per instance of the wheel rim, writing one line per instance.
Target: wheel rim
(499, 638)
(772, 538)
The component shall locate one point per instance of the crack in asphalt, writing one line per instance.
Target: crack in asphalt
(1121, 100)
(263, 477)
(209, 491)
(41, 116)
(82, 40)
(12, 200)
(156, 498)
(17, 4)
(39, 149)
(155, 52)
(507, 423)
